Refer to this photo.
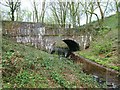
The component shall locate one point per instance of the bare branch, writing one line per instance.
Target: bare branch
(4, 4)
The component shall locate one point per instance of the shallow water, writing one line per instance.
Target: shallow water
(100, 73)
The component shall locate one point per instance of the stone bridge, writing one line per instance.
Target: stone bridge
(42, 36)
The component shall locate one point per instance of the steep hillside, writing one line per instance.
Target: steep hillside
(25, 66)
(104, 48)
(111, 21)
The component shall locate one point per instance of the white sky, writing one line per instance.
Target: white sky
(27, 4)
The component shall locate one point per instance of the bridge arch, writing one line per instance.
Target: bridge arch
(72, 44)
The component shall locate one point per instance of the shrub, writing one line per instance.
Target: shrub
(102, 47)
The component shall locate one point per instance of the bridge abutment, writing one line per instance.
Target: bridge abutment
(42, 36)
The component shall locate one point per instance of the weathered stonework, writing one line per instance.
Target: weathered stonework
(42, 36)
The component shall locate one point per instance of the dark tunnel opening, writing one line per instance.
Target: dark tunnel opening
(73, 46)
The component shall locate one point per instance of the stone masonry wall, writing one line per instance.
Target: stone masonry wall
(42, 36)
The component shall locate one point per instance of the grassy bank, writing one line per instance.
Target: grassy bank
(25, 66)
(104, 47)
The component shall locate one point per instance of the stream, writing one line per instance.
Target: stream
(100, 73)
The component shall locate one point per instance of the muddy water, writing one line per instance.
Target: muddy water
(111, 77)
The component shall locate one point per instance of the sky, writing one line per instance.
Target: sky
(27, 4)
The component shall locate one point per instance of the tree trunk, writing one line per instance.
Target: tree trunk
(12, 15)
(101, 12)
(12, 11)
(43, 11)
(117, 6)
(78, 19)
(13, 5)
(36, 12)
(90, 18)
(86, 17)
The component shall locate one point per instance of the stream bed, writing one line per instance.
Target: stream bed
(100, 73)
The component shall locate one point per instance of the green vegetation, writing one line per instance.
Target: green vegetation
(104, 47)
(111, 21)
(27, 67)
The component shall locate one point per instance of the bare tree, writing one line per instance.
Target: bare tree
(18, 13)
(117, 4)
(59, 10)
(43, 11)
(35, 10)
(74, 12)
(102, 12)
(38, 11)
(106, 6)
(92, 8)
(55, 13)
(63, 12)
(13, 5)
(85, 10)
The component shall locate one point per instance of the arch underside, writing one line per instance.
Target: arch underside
(73, 46)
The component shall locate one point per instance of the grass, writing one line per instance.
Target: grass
(26, 67)
(104, 48)
(111, 21)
